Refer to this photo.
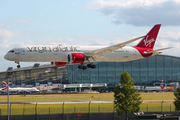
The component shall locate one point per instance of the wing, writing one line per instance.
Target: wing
(96, 54)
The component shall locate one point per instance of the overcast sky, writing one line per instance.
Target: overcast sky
(86, 22)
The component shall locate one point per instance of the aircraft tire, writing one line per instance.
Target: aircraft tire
(93, 66)
(80, 66)
(18, 66)
(84, 67)
(89, 65)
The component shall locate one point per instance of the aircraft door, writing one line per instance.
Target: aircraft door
(22, 52)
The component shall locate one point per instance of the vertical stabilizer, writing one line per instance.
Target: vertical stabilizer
(162, 87)
(149, 40)
(4, 83)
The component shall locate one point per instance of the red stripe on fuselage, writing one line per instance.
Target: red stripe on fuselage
(142, 50)
(60, 63)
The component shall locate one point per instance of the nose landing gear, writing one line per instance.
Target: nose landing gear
(18, 66)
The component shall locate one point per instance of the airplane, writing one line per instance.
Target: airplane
(155, 88)
(158, 88)
(61, 55)
(18, 89)
(166, 88)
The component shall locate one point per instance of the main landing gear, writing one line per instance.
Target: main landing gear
(18, 66)
(82, 66)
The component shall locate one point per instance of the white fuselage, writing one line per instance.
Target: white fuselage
(151, 88)
(21, 89)
(59, 53)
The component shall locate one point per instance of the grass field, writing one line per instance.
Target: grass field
(79, 97)
(79, 107)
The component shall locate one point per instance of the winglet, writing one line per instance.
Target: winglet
(149, 40)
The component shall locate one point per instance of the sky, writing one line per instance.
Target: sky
(86, 22)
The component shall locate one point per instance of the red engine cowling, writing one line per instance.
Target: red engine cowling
(76, 58)
(58, 63)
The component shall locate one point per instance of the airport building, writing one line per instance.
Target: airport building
(145, 72)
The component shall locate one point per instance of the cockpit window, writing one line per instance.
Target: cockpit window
(11, 51)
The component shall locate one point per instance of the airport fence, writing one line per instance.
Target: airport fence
(35, 109)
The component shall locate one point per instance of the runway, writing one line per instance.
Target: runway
(77, 102)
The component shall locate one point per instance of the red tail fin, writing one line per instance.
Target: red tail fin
(162, 82)
(5, 88)
(149, 40)
(162, 85)
(4, 83)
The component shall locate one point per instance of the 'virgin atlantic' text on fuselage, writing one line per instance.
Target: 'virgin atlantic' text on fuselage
(58, 48)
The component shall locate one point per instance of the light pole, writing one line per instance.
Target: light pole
(8, 73)
(8, 97)
(47, 72)
(178, 76)
(35, 79)
(61, 80)
(47, 77)
(21, 80)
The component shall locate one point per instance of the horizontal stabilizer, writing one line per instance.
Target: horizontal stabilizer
(156, 50)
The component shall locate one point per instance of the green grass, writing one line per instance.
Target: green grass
(58, 97)
(78, 108)
(160, 95)
(80, 97)
(156, 107)
(27, 109)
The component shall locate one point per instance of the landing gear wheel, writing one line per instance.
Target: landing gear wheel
(80, 66)
(84, 67)
(89, 65)
(93, 66)
(18, 66)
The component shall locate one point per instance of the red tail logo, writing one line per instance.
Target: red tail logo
(5, 88)
(149, 40)
(4, 83)
(162, 82)
(162, 85)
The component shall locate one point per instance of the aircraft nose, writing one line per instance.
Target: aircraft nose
(8, 57)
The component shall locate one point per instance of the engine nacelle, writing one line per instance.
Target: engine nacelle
(76, 58)
(58, 63)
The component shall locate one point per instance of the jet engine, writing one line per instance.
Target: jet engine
(76, 58)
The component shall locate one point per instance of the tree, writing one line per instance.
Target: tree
(126, 98)
(177, 99)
